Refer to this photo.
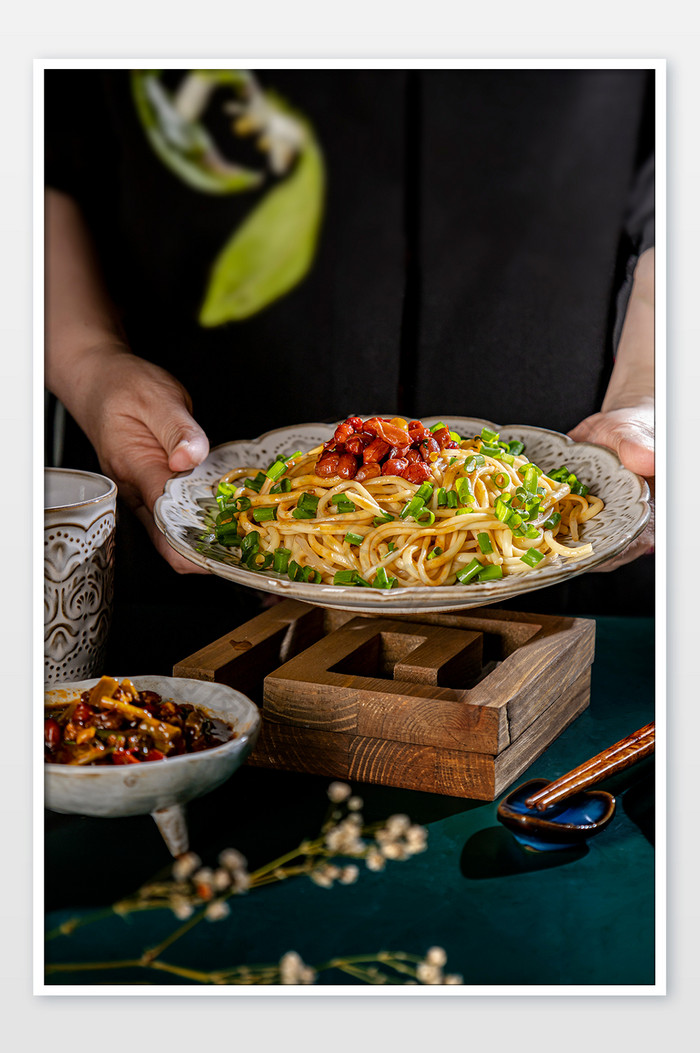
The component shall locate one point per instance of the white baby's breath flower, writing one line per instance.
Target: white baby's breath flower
(428, 974)
(394, 850)
(203, 876)
(355, 804)
(217, 910)
(416, 839)
(233, 860)
(181, 908)
(294, 971)
(453, 978)
(349, 875)
(241, 881)
(344, 838)
(185, 866)
(321, 878)
(436, 956)
(221, 879)
(374, 860)
(290, 965)
(338, 792)
(398, 824)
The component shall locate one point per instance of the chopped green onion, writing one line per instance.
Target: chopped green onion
(451, 460)
(560, 475)
(293, 570)
(452, 499)
(491, 572)
(381, 579)
(306, 507)
(484, 543)
(392, 547)
(502, 509)
(425, 491)
(553, 521)
(464, 490)
(309, 574)
(227, 535)
(354, 539)
(455, 437)
(532, 532)
(250, 543)
(437, 551)
(489, 436)
(348, 577)
(223, 493)
(256, 483)
(344, 504)
(442, 497)
(412, 507)
(259, 560)
(475, 461)
(500, 479)
(507, 458)
(277, 468)
(264, 515)
(425, 516)
(386, 518)
(516, 447)
(282, 487)
(437, 427)
(281, 560)
(491, 451)
(532, 557)
(531, 473)
(225, 517)
(466, 574)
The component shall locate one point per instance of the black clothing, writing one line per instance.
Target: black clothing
(480, 231)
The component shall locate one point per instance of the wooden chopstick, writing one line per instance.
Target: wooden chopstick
(621, 755)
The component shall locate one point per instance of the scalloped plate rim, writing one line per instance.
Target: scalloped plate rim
(431, 598)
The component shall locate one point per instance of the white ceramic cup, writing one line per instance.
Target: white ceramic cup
(79, 523)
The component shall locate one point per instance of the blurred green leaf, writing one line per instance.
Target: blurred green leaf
(273, 248)
(185, 146)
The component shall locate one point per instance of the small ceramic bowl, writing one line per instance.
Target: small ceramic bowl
(159, 788)
(564, 825)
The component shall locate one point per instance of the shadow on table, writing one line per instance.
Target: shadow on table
(494, 852)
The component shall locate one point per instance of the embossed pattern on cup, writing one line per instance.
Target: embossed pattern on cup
(79, 524)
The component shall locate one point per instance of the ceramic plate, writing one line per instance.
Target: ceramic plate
(186, 509)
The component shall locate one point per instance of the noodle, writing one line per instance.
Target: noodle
(482, 512)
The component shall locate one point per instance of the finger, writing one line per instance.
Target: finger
(632, 440)
(636, 454)
(185, 443)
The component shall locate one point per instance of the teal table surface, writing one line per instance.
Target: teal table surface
(503, 915)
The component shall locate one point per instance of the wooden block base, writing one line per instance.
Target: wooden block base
(458, 704)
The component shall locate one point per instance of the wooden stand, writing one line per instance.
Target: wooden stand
(458, 704)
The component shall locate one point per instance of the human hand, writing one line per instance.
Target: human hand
(138, 418)
(629, 431)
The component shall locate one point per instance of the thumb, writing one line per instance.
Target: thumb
(629, 433)
(185, 443)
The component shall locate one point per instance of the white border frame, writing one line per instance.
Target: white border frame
(661, 752)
